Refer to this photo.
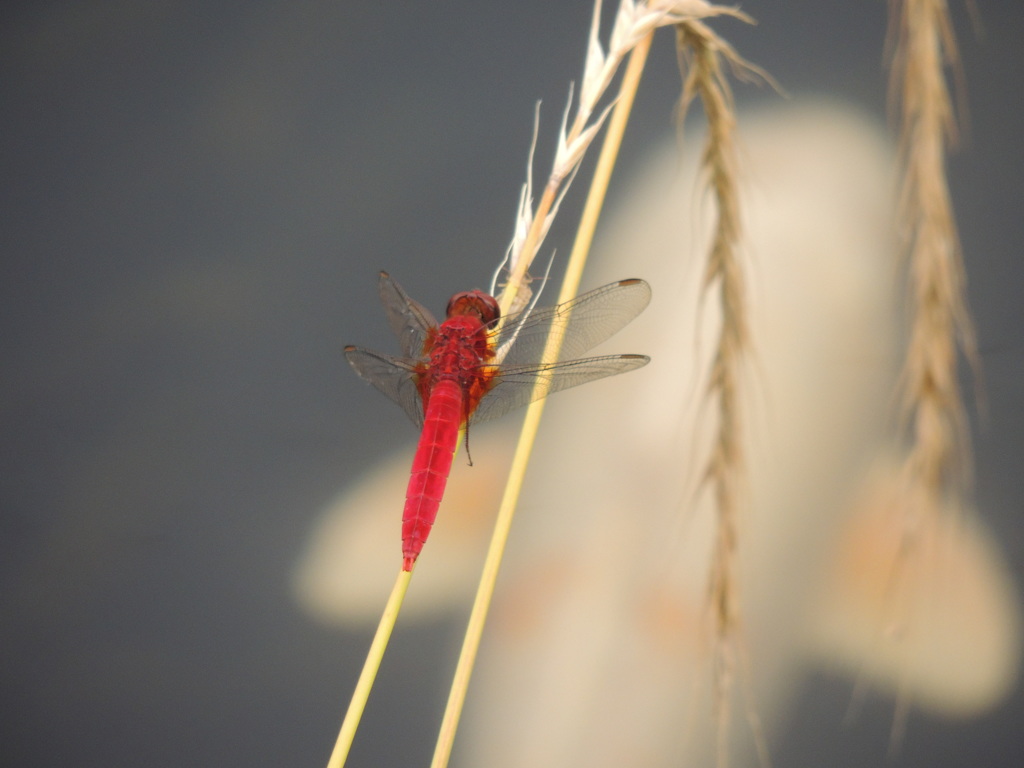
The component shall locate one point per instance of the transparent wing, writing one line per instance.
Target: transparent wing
(516, 385)
(585, 322)
(394, 376)
(409, 320)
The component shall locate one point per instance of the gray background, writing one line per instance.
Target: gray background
(196, 198)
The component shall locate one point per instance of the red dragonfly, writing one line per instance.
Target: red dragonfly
(471, 369)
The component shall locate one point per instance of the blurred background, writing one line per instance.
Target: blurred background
(197, 198)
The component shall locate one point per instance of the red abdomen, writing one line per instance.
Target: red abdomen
(430, 467)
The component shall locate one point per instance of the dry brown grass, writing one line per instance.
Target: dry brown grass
(940, 322)
(702, 56)
(634, 23)
(937, 465)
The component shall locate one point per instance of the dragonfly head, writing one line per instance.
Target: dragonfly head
(474, 304)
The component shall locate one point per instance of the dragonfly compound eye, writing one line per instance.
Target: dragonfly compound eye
(474, 303)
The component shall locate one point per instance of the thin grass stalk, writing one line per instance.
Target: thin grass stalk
(701, 53)
(531, 424)
(364, 685)
(936, 468)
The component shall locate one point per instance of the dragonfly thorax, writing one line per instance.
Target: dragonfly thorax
(457, 354)
(459, 347)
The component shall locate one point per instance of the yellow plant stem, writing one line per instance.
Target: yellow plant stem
(369, 673)
(574, 271)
